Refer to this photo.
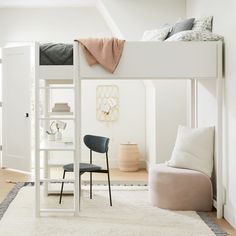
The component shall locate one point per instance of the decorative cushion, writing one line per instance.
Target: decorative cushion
(194, 149)
(183, 25)
(191, 35)
(156, 34)
(203, 24)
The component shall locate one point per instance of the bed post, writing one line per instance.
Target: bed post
(218, 150)
(37, 131)
(46, 126)
(219, 135)
(77, 128)
(193, 108)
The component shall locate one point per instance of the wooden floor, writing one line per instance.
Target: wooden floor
(9, 177)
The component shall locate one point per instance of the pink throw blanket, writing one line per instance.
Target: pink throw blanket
(106, 52)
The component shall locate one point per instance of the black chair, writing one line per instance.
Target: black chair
(96, 144)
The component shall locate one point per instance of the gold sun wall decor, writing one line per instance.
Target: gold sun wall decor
(107, 102)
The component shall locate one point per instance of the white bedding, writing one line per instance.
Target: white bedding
(192, 35)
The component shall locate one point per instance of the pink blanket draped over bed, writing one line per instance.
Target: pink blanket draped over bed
(105, 51)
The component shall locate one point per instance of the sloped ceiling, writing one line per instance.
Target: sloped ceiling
(46, 3)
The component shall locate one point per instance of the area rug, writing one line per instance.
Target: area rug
(130, 215)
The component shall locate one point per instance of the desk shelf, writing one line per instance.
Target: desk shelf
(46, 145)
(60, 113)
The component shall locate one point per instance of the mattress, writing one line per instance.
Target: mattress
(56, 54)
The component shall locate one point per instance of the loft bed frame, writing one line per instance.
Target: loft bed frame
(192, 61)
(198, 60)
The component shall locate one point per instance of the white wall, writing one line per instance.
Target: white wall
(130, 126)
(224, 23)
(50, 24)
(133, 17)
(151, 123)
(63, 25)
(166, 109)
(171, 110)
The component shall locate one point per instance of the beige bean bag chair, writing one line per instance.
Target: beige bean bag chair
(180, 189)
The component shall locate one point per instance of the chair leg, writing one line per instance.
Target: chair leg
(91, 185)
(109, 186)
(80, 175)
(62, 186)
(108, 176)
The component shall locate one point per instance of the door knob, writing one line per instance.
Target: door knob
(26, 115)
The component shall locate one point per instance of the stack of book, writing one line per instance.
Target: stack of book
(61, 107)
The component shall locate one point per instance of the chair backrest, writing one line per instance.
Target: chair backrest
(96, 143)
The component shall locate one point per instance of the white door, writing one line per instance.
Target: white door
(17, 77)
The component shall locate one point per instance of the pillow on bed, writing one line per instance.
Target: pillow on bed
(182, 25)
(203, 24)
(194, 149)
(156, 34)
(191, 35)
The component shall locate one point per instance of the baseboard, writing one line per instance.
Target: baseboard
(229, 215)
(113, 164)
(116, 182)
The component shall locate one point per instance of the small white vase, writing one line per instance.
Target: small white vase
(58, 136)
(51, 137)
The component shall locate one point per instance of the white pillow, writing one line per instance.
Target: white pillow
(194, 149)
(203, 24)
(191, 35)
(156, 34)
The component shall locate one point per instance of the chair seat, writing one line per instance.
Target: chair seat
(84, 167)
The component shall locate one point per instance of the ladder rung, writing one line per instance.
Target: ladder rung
(57, 87)
(57, 192)
(58, 180)
(57, 118)
(57, 210)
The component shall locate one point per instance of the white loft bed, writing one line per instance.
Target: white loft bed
(172, 60)
(146, 60)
